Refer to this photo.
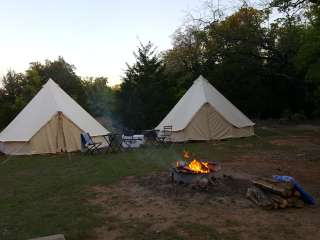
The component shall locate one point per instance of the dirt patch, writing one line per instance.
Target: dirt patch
(154, 199)
(308, 127)
(224, 185)
(151, 207)
(297, 141)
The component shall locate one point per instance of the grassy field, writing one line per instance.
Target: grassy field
(43, 195)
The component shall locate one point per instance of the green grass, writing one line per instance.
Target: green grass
(43, 195)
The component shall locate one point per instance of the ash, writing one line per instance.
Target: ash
(222, 186)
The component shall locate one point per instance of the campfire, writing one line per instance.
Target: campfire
(191, 170)
(198, 167)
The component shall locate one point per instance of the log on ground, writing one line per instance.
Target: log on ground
(285, 189)
(258, 196)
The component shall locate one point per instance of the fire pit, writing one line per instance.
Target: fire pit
(193, 171)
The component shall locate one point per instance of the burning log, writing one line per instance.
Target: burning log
(185, 176)
(194, 172)
(196, 167)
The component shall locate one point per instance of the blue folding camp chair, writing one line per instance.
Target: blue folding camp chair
(88, 144)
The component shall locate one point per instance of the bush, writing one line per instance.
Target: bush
(285, 116)
(316, 114)
(298, 117)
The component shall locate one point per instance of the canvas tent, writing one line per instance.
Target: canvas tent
(51, 122)
(203, 113)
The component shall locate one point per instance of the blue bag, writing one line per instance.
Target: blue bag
(306, 197)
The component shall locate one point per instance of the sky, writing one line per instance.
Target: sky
(97, 36)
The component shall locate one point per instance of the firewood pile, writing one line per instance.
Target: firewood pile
(271, 194)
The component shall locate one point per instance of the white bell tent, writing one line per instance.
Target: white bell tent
(203, 113)
(50, 123)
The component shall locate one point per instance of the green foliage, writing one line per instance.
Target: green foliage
(100, 97)
(143, 98)
(229, 53)
(262, 70)
(298, 117)
(307, 62)
(62, 73)
(18, 89)
(240, 38)
(286, 5)
(57, 189)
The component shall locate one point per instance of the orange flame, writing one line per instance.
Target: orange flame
(186, 154)
(194, 165)
(199, 167)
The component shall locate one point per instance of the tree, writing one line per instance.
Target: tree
(305, 61)
(12, 96)
(62, 73)
(285, 5)
(228, 52)
(144, 96)
(185, 61)
(235, 53)
(263, 70)
(100, 97)
(18, 88)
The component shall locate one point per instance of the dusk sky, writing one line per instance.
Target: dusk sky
(98, 37)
